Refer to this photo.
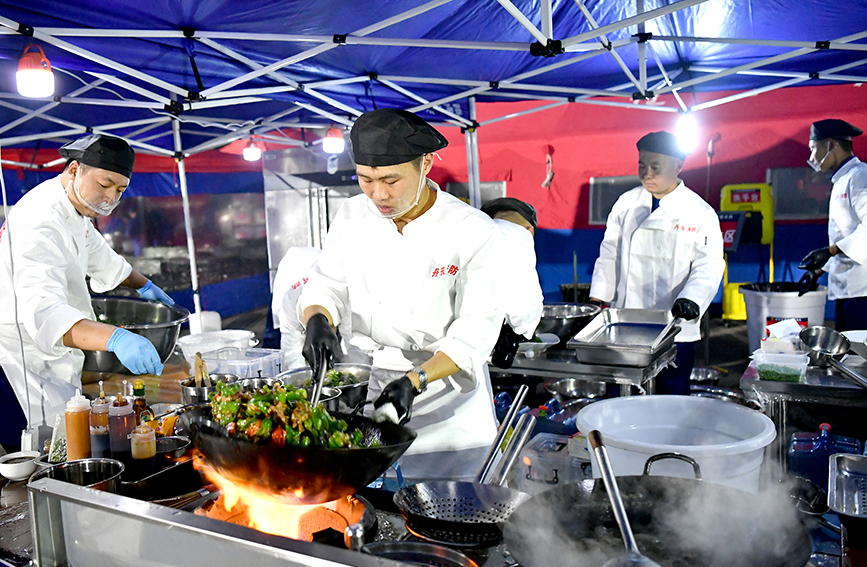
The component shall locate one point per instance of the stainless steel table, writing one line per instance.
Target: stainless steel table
(564, 364)
(820, 386)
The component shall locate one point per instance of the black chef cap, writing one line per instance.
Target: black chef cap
(389, 136)
(833, 128)
(661, 143)
(502, 204)
(104, 152)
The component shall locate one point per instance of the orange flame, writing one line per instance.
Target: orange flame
(269, 515)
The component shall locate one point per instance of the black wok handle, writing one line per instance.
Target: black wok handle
(848, 372)
(610, 481)
(507, 424)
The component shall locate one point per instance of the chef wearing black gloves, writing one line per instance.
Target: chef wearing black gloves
(845, 259)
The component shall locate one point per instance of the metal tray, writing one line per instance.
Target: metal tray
(847, 485)
(622, 337)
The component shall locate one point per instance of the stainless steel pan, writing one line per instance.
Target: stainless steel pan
(827, 346)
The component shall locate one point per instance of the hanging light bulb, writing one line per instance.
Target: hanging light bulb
(687, 132)
(34, 77)
(333, 143)
(252, 151)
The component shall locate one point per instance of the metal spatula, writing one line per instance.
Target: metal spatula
(632, 557)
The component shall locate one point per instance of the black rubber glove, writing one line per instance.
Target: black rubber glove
(815, 259)
(506, 348)
(321, 343)
(686, 309)
(400, 394)
(809, 281)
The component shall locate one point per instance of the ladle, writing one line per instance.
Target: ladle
(632, 557)
(826, 347)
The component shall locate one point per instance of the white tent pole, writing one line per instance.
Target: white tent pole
(472, 141)
(828, 75)
(437, 43)
(89, 55)
(196, 105)
(317, 110)
(592, 101)
(278, 76)
(188, 225)
(566, 90)
(131, 87)
(322, 48)
(642, 51)
(463, 121)
(155, 136)
(448, 99)
(523, 112)
(336, 82)
(237, 133)
(43, 109)
(760, 63)
(666, 78)
(633, 21)
(546, 18)
(522, 19)
(147, 128)
(90, 32)
(20, 164)
(607, 45)
(765, 42)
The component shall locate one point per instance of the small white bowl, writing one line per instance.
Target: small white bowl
(18, 470)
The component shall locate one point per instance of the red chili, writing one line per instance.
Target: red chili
(278, 436)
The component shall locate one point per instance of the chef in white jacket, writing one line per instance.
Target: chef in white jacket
(662, 249)
(50, 245)
(413, 267)
(845, 258)
(519, 283)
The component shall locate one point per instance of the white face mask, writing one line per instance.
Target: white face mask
(817, 166)
(404, 205)
(101, 207)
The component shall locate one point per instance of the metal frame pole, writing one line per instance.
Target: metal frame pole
(475, 189)
(188, 225)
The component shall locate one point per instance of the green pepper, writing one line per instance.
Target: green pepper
(356, 436)
(227, 412)
(305, 441)
(265, 427)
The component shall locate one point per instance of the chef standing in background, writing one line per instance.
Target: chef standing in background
(662, 249)
(845, 259)
(522, 297)
(414, 269)
(50, 245)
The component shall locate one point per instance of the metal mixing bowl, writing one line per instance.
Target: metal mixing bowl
(190, 394)
(155, 321)
(567, 389)
(565, 319)
(350, 395)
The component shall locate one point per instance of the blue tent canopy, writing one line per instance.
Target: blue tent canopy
(132, 67)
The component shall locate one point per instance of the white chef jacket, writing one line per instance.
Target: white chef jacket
(409, 296)
(54, 248)
(847, 228)
(647, 259)
(519, 283)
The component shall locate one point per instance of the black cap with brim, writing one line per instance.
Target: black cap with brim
(661, 143)
(389, 136)
(526, 210)
(833, 128)
(105, 152)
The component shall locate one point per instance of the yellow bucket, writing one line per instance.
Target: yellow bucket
(734, 307)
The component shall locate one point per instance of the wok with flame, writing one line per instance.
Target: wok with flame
(295, 474)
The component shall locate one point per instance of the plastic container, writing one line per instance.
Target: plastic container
(809, 453)
(781, 367)
(245, 362)
(143, 447)
(726, 439)
(121, 422)
(99, 445)
(769, 303)
(77, 427)
(214, 340)
(545, 461)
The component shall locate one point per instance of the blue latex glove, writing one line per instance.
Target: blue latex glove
(135, 352)
(152, 292)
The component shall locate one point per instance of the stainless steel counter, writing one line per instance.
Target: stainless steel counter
(820, 386)
(564, 364)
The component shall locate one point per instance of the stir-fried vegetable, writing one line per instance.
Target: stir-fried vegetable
(282, 416)
(334, 379)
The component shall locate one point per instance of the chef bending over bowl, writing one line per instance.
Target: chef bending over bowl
(48, 246)
(414, 268)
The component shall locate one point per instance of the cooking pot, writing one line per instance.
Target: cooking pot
(676, 521)
(350, 394)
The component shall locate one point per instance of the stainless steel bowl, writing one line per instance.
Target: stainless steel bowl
(567, 389)
(565, 319)
(190, 394)
(350, 395)
(155, 321)
(250, 384)
(172, 448)
(101, 474)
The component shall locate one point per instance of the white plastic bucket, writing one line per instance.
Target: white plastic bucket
(767, 307)
(727, 440)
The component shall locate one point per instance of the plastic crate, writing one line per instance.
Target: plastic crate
(245, 362)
